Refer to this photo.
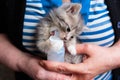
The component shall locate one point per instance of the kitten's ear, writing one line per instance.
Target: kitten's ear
(73, 8)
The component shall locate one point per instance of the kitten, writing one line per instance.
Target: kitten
(67, 20)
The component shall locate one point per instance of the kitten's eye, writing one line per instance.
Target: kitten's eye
(68, 29)
(71, 36)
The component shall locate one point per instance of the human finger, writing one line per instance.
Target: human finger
(48, 75)
(84, 48)
(88, 49)
(64, 67)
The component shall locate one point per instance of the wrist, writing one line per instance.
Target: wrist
(22, 61)
(29, 65)
(116, 56)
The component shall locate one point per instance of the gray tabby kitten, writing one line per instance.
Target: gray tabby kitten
(66, 20)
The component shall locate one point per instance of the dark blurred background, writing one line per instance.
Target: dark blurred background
(6, 73)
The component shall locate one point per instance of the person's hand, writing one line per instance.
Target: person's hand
(99, 60)
(31, 66)
(18, 60)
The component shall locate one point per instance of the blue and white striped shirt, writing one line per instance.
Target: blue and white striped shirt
(99, 29)
(34, 12)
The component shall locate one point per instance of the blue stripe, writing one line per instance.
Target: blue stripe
(107, 43)
(109, 77)
(35, 51)
(97, 12)
(97, 39)
(29, 34)
(99, 24)
(97, 5)
(102, 76)
(30, 46)
(97, 32)
(31, 20)
(106, 76)
(29, 27)
(29, 41)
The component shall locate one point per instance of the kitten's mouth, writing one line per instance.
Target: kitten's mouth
(52, 33)
(65, 41)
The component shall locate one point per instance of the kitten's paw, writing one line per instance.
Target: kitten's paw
(72, 50)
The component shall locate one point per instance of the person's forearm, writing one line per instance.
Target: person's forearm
(10, 55)
(116, 53)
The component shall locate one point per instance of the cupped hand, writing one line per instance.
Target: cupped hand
(99, 60)
(30, 65)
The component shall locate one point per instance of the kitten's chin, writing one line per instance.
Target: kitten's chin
(65, 41)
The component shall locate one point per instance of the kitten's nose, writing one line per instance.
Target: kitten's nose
(65, 38)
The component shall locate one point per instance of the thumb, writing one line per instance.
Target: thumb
(87, 49)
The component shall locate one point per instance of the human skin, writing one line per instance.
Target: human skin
(65, 0)
(23, 62)
(99, 60)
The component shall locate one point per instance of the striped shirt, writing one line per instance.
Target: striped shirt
(99, 28)
(34, 12)
(98, 31)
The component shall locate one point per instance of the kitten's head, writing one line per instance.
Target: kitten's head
(67, 20)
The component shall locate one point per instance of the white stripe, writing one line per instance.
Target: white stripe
(29, 44)
(35, 4)
(35, 10)
(30, 24)
(93, 2)
(33, 17)
(102, 41)
(31, 49)
(29, 30)
(97, 28)
(29, 37)
(97, 15)
(96, 35)
(97, 21)
(97, 8)
(101, 77)
(107, 76)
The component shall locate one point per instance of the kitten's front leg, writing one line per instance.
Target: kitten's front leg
(72, 49)
(44, 46)
(71, 46)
